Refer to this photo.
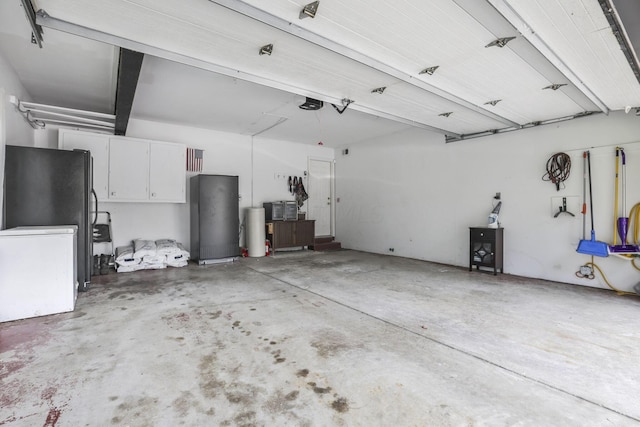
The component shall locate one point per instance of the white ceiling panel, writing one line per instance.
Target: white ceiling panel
(305, 67)
(580, 34)
(347, 50)
(443, 33)
(71, 72)
(175, 93)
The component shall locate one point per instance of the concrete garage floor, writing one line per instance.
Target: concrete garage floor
(326, 339)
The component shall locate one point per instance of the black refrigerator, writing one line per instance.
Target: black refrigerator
(51, 187)
(215, 222)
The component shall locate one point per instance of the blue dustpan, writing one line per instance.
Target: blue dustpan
(593, 247)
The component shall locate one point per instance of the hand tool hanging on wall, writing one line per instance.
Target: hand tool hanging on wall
(558, 169)
(301, 193)
(584, 195)
(592, 247)
(621, 223)
(563, 208)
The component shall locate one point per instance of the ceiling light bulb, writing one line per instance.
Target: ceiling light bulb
(309, 11)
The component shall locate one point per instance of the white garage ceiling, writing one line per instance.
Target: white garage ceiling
(560, 59)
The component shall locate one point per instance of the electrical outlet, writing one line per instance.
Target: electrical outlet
(586, 270)
(391, 249)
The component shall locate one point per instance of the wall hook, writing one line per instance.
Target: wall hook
(563, 208)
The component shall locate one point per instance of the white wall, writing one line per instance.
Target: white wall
(419, 195)
(276, 161)
(255, 162)
(14, 130)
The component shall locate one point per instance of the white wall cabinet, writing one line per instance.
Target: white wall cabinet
(130, 169)
(167, 164)
(98, 144)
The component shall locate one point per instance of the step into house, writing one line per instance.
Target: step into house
(325, 243)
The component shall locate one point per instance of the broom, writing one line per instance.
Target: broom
(592, 247)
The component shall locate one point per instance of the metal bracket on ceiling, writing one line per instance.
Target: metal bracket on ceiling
(345, 103)
(493, 103)
(583, 114)
(452, 138)
(500, 42)
(554, 86)
(36, 30)
(266, 49)
(430, 70)
(310, 10)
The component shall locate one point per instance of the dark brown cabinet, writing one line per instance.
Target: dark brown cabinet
(486, 248)
(287, 234)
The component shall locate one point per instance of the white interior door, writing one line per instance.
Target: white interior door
(320, 197)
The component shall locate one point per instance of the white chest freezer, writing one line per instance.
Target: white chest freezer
(38, 274)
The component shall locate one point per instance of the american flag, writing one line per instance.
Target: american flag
(194, 160)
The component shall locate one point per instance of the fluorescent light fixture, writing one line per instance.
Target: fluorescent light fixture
(309, 11)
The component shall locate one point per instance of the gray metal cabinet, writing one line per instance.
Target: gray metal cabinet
(214, 218)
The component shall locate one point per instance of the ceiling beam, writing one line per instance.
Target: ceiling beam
(290, 28)
(128, 73)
